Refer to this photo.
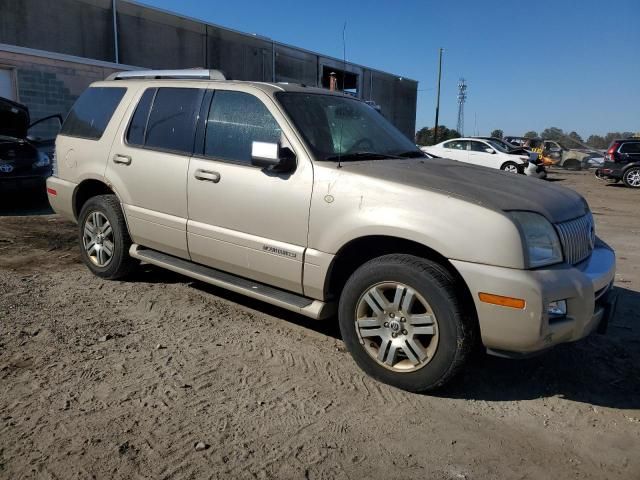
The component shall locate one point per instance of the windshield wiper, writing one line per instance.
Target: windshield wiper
(410, 154)
(361, 156)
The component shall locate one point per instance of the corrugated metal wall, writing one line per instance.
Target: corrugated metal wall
(156, 39)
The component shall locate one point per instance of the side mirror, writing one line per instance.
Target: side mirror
(489, 150)
(271, 156)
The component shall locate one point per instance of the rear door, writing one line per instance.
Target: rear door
(244, 219)
(456, 150)
(148, 166)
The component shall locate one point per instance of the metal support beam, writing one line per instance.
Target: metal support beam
(116, 47)
(435, 129)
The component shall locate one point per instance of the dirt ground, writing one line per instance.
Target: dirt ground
(109, 380)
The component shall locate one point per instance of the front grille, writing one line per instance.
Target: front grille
(577, 238)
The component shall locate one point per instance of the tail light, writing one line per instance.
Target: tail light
(611, 152)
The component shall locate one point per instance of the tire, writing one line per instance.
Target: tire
(101, 221)
(631, 177)
(510, 167)
(396, 361)
(572, 164)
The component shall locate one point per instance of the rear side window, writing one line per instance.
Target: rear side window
(237, 119)
(92, 112)
(631, 147)
(172, 119)
(456, 145)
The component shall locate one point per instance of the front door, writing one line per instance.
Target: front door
(148, 166)
(479, 155)
(244, 219)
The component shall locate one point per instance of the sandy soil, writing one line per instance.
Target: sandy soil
(107, 380)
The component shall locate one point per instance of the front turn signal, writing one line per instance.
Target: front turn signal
(502, 301)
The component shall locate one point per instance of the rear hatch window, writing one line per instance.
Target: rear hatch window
(92, 112)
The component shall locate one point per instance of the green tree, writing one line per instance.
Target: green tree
(577, 140)
(424, 136)
(553, 133)
(531, 134)
(497, 133)
(596, 141)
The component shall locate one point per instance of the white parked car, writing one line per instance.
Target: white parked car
(479, 152)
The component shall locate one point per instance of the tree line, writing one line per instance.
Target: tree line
(425, 136)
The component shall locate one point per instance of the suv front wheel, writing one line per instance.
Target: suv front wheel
(104, 238)
(402, 322)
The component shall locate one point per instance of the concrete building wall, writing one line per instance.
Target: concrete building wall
(50, 84)
(152, 38)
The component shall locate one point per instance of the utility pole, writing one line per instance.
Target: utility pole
(435, 129)
(116, 47)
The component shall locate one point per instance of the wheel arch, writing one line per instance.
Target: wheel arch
(362, 249)
(87, 189)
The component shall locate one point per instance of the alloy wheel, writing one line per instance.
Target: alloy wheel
(633, 178)
(397, 327)
(97, 239)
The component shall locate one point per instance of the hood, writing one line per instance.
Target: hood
(484, 186)
(14, 119)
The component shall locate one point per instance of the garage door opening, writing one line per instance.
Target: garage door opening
(345, 81)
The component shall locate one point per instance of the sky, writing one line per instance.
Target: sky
(529, 65)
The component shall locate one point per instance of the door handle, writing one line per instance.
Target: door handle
(122, 159)
(207, 176)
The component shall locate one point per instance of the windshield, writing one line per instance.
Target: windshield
(343, 128)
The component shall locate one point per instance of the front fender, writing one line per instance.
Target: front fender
(347, 206)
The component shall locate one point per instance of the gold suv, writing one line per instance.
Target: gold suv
(311, 200)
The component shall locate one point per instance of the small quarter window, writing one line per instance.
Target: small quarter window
(236, 119)
(92, 112)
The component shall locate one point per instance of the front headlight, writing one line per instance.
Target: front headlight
(43, 160)
(541, 243)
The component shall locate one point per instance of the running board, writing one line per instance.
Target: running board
(275, 296)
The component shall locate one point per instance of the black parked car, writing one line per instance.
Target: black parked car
(622, 162)
(26, 149)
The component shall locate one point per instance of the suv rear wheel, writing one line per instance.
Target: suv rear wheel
(403, 324)
(104, 239)
(631, 177)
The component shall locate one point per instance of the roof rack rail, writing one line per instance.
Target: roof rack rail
(186, 74)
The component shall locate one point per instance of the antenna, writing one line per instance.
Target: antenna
(344, 71)
(462, 97)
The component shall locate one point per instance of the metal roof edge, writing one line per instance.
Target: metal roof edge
(65, 57)
(262, 37)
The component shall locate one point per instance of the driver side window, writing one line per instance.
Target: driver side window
(237, 119)
(479, 147)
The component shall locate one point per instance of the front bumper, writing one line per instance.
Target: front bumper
(515, 332)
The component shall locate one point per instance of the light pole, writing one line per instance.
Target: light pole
(435, 129)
